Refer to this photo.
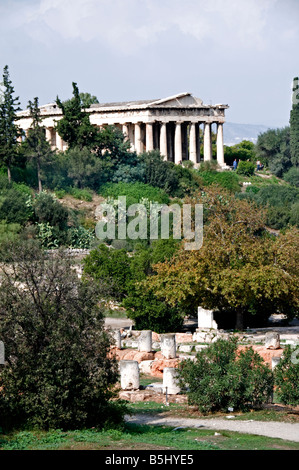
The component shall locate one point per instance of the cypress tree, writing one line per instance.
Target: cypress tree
(9, 131)
(36, 146)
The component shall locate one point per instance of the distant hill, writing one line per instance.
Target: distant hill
(234, 133)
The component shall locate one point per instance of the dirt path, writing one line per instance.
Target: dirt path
(286, 431)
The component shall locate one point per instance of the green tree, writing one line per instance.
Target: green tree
(87, 99)
(110, 267)
(273, 150)
(9, 131)
(292, 176)
(58, 372)
(36, 147)
(294, 125)
(250, 274)
(245, 150)
(75, 127)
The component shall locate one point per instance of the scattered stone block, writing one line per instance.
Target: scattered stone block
(206, 318)
(272, 340)
(145, 341)
(274, 362)
(170, 381)
(187, 348)
(117, 338)
(145, 366)
(168, 345)
(202, 335)
(129, 375)
(199, 347)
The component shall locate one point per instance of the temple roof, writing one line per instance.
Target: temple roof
(180, 100)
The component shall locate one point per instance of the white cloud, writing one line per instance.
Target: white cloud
(129, 25)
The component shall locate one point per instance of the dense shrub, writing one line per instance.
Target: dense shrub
(273, 150)
(152, 313)
(112, 268)
(292, 176)
(278, 217)
(49, 210)
(84, 194)
(294, 214)
(159, 173)
(134, 192)
(286, 375)
(226, 179)
(9, 232)
(51, 218)
(14, 207)
(80, 237)
(245, 168)
(221, 377)
(58, 373)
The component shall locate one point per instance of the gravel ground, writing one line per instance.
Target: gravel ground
(286, 431)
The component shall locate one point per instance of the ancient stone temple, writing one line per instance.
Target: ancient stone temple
(179, 126)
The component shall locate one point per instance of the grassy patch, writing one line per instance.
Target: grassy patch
(143, 437)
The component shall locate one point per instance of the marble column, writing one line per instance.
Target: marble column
(163, 140)
(59, 142)
(138, 148)
(149, 138)
(48, 135)
(192, 143)
(178, 143)
(125, 131)
(220, 151)
(207, 142)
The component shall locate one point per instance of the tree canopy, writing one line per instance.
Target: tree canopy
(240, 271)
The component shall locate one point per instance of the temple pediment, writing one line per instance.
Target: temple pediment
(180, 100)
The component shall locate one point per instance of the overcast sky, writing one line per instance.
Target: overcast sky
(243, 53)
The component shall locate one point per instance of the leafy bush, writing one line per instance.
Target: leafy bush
(47, 235)
(152, 313)
(226, 179)
(15, 207)
(160, 173)
(9, 232)
(84, 194)
(51, 218)
(286, 375)
(294, 214)
(128, 173)
(58, 373)
(292, 176)
(210, 165)
(134, 192)
(246, 168)
(277, 195)
(80, 237)
(112, 268)
(48, 209)
(278, 217)
(222, 377)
